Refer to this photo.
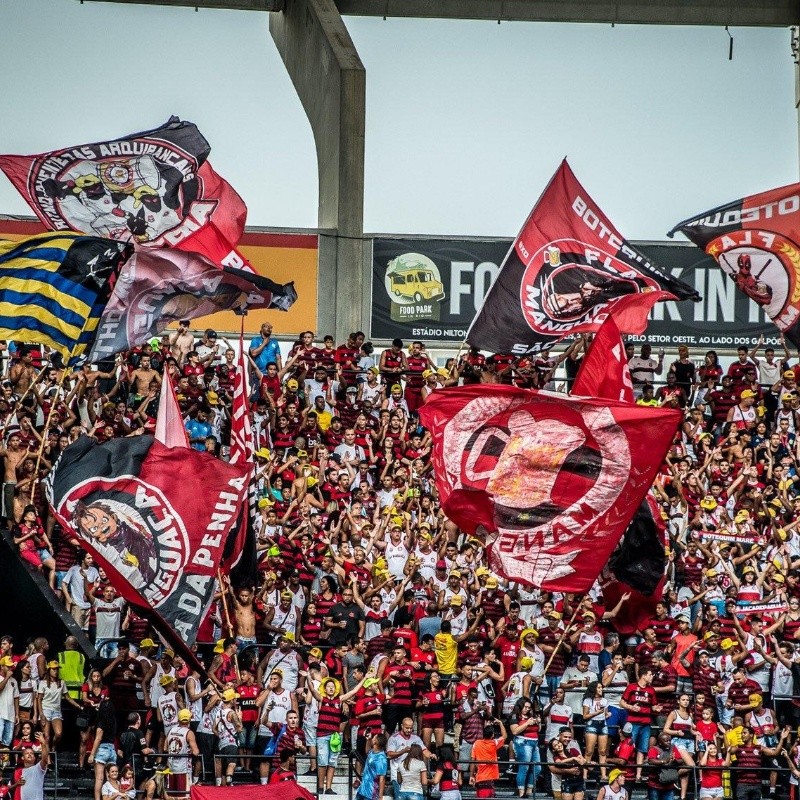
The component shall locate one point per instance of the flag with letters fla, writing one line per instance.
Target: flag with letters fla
(155, 518)
(155, 188)
(568, 270)
(756, 242)
(54, 288)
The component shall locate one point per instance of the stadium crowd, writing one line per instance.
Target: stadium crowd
(375, 626)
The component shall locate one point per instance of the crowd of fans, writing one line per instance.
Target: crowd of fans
(375, 627)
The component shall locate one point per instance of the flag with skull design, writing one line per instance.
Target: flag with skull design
(552, 481)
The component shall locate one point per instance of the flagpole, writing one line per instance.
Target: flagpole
(49, 420)
(228, 624)
(561, 639)
(24, 395)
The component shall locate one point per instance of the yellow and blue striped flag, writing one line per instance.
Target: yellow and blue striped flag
(54, 287)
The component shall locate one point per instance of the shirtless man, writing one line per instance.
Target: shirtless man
(244, 612)
(142, 378)
(181, 342)
(22, 374)
(13, 455)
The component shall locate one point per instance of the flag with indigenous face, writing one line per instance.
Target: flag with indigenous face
(756, 241)
(155, 188)
(568, 269)
(155, 518)
(158, 287)
(553, 481)
(54, 288)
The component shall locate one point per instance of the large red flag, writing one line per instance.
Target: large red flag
(604, 370)
(155, 188)
(554, 481)
(566, 271)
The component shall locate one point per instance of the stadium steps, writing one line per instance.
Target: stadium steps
(28, 604)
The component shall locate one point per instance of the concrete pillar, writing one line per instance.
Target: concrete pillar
(331, 83)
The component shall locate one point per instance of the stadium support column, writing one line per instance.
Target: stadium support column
(331, 83)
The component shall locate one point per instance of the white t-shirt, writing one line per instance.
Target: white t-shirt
(9, 691)
(411, 780)
(34, 783)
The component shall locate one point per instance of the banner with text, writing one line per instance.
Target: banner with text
(431, 288)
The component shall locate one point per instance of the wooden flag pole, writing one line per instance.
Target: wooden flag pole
(561, 640)
(228, 623)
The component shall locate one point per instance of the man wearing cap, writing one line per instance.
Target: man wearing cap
(9, 701)
(286, 658)
(228, 727)
(615, 789)
(180, 744)
(169, 703)
(683, 645)
(743, 415)
(223, 666)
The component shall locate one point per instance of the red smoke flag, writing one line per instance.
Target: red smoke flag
(554, 481)
(568, 269)
(756, 241)
(604, 370)
(170, 430)
(155, 188)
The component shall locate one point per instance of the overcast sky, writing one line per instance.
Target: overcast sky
(466, 121)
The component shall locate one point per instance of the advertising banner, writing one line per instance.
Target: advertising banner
(430, 288)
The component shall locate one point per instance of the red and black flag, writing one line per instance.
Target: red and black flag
(155, 188)
(756, 241)
(158, 287)
(554, 481)
(568, 269)
(155, 518)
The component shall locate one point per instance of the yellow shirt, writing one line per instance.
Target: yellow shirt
(446, 653)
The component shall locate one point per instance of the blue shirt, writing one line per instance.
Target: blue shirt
(268, 354)
(376, 765)
(197, 429)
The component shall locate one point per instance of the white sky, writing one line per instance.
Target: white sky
(466, 121)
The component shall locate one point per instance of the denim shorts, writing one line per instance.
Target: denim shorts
(325, 756)
(682, 743)
(106, 754)
(641, 737)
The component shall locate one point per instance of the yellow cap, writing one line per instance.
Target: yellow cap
(525, 663)
(491, 582)
(614, 774)
(228, 695)
(529, 632)
(456, 600)
(166, 680)
(184, 715)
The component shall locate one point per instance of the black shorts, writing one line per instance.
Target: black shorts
(571, 784)
(229, 755)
